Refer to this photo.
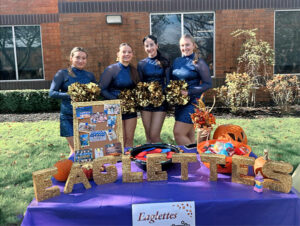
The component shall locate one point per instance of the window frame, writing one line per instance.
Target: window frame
(275, 11)
(182, 30)
(15, 54)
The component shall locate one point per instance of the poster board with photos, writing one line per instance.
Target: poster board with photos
(97, 129)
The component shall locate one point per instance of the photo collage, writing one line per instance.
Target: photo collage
(97, 132)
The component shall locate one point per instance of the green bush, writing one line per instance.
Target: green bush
(236, 92)
(27, 101)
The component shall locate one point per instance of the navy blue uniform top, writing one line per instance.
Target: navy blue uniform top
(194, 74)
(59, 88)
(114, 79)
(150, 71)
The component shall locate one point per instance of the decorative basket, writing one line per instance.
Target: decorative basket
(203, 134)
(142, 164)
(227, 168)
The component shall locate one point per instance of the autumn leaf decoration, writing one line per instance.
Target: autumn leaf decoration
(202, 117)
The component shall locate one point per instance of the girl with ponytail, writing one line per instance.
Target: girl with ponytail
(196, 73)
(153, 68)
(59, 88)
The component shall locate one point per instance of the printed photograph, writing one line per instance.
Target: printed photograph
(84, 140)
(84, 112)
(111, 121)
(111, 134)
(98, 117)
(112, 109)
(85, 155)
(99, 152)
(99, 135)
(85, 127)
(113, 149)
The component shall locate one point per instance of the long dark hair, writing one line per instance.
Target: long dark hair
(133, 71)
(196, 50)
(161, 60)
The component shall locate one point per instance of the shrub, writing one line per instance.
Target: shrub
(236, 91)
(257, 56)
(27, 101)
(283, 90)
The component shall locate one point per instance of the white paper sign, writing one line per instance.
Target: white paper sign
(169, 213)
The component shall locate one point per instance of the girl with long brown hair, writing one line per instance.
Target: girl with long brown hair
(117, 77)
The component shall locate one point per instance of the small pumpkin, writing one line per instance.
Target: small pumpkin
(260, 162)
(230, 132)
(63, 169)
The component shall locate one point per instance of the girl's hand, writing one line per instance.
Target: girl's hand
(184, 93)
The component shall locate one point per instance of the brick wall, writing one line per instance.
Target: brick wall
(102, 40)
(28, 6)
(228, 48)
(51, 49)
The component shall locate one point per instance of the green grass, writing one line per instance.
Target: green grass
(31, 146)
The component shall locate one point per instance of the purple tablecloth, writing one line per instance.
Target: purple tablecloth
(216, 203)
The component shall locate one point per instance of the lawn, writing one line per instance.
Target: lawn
(30, 146)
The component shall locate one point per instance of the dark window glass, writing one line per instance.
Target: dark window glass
(7, 59)
(287, 42)
(167, 29)
(29, 52)
(201, 27)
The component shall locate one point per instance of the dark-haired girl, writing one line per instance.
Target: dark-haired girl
(117, 77)
(153, 68)
(59, 87)
(196, 73)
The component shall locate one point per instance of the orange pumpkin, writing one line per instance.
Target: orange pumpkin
(230, 132)
(258, 164)
(63, 169)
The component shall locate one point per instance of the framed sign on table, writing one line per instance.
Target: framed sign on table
(97, 129)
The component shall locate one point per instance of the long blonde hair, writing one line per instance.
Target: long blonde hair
(73, 51)
(196, 50)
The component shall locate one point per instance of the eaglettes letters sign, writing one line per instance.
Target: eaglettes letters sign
(277, 173)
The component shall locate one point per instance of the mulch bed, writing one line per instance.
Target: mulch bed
(250, 112)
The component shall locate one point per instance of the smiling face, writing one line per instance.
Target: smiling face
(125, 54)
(150, 47)
(186, 46)
(78, 60)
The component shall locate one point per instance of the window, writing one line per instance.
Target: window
(287, 42)
(168, 28)
(20, 53)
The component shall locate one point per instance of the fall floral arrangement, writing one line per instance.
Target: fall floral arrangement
(83, 92)
(173, 92)
(203, 119)
(128, 102)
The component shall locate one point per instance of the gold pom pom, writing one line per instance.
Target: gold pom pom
(83, 92)
(173, 92)
(142, 94)
(128, 102)
(156, 94)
